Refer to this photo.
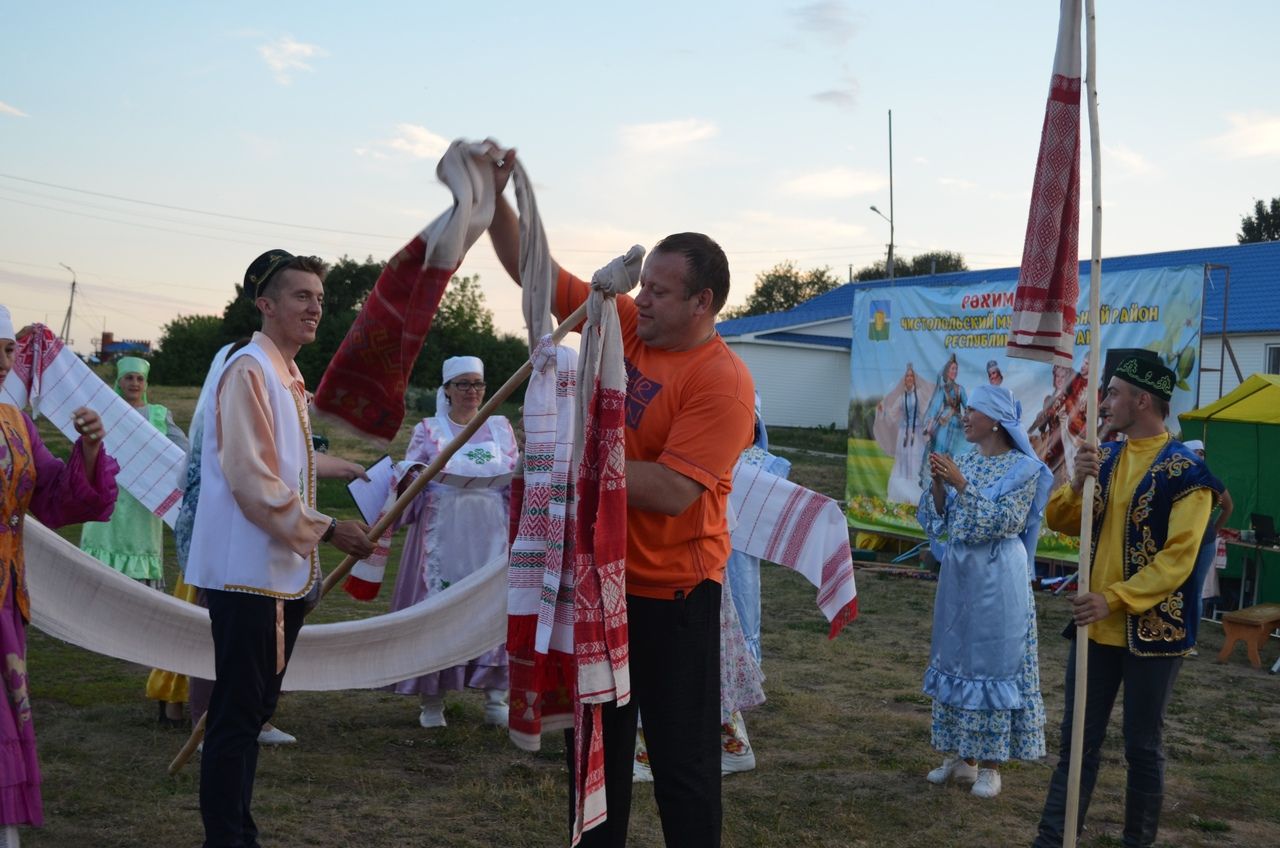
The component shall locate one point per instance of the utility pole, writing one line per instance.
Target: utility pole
(891, 194)
(889, 217)
(65, 335)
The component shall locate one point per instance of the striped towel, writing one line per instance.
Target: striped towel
(600, 557)
(804, 531)
(540, 588)
(52, 379)
(1044, 304)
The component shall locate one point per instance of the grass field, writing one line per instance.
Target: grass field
(842, 744)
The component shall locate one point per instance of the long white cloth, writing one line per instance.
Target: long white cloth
(52, 379)
(75, 599)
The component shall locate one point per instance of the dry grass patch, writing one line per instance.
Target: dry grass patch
(842, 744)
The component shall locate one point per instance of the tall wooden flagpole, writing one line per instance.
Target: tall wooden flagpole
(1090, 483)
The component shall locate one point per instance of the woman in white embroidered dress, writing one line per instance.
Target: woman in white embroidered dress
(458, 525)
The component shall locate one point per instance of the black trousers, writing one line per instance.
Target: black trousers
(1148, 685)
(675, 682)
(244, 696)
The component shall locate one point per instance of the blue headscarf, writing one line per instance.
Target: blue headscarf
(999, 404)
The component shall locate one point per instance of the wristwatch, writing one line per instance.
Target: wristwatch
(328, 534)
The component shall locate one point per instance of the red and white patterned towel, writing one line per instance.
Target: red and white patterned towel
(540, 587)
(786, 523)
(600, 642)
(364, 385)
(1044, 307)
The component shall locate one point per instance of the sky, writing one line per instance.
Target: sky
(157, 148)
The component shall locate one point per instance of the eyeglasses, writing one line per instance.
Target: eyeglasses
(463, 386)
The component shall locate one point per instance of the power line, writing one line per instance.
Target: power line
(160, 218)
(190, 210)
(193, 211)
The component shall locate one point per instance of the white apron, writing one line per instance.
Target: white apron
(468, 517)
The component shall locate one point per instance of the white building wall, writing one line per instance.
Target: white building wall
(799, 387)
(1251, 354)
(841, 328)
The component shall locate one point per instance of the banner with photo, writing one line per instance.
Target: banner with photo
(918, 349)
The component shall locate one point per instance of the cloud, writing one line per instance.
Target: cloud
(1251, 135)
(409, 139)
(756, 227)
(835, 183)
(418, 142)
(666, 136)
(957, 182)
(1129, 160)
(844, 97)
(827, 19)
(6, 109)
(285, 57)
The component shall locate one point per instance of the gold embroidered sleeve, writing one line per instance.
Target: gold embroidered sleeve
(1168, 567)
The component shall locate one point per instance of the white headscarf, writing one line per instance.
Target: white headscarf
(6, 324)
(455, 366)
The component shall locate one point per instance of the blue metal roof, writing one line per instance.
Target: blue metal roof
(1254, 305)
(805, 338)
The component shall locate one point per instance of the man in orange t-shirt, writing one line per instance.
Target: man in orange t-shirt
(690, 413)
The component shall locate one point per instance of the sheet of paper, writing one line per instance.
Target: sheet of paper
(371, 494)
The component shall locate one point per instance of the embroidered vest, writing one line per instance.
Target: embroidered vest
(1165, 629)
(17, 485)
(230, 552)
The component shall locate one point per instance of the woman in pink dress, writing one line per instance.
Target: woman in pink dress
(458, 525)
(57, 493)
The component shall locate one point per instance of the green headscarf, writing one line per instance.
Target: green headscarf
(155, 413)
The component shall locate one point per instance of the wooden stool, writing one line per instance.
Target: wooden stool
(1250, 625)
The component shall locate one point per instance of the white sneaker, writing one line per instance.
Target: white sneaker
(987, 785)
(730, 763)
(953, 768)
(735, 748)
(432, 714)
(496, 710)
(275, 736)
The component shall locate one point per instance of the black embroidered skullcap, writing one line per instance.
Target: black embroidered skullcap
(1143, 368)
(262, 269)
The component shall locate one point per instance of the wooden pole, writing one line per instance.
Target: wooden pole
(193, 742)
(419, 483)
(1090, 483)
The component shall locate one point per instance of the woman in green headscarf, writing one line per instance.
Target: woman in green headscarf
(131, 542)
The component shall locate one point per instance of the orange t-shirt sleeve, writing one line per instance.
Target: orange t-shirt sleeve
(571, 292)
(707, 437)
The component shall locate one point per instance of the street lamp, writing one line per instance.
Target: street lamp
(889, 267)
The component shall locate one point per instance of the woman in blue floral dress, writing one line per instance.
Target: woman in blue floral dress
(982, 512)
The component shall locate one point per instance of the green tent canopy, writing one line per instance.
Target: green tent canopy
(1241, 434)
